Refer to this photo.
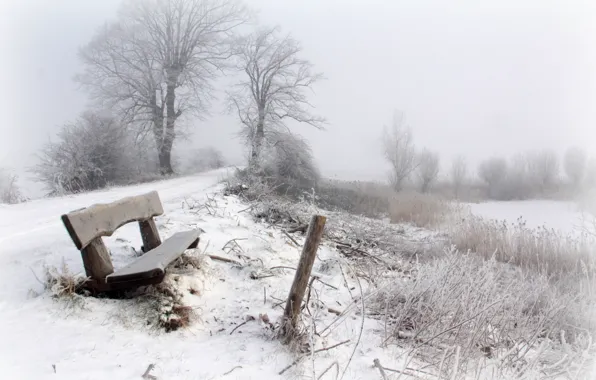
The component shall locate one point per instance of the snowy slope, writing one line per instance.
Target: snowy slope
(107, 339)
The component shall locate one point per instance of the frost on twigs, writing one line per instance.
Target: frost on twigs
(492, 311)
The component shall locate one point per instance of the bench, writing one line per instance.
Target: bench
(87, 226)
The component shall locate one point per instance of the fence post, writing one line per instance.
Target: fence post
(307, 259)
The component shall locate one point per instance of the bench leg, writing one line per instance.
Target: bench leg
(194, 244)
(96, 260)
(149, 234)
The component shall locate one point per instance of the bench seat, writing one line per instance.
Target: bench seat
(150, 268)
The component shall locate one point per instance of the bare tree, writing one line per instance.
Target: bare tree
(543, 168)
(459, 173)
(399, 151)
(157, 62)
(575, 165)
(427, 169)
(273, 90)
(520, 182)
(493, 171)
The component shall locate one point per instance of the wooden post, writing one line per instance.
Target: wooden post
(149, 234)
(298, 289)
(96, 260)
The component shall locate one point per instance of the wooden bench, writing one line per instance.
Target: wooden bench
(87, 226)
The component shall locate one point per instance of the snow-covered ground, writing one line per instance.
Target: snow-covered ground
(44, 338)
(566, 217)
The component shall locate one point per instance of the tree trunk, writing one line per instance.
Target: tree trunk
(257, 143)
(158, 132)
(165, 150)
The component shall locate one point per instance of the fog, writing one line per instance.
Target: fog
(472, 77)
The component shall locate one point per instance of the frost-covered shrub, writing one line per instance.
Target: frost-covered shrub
(9, 191)
(93, 152)
(288, 157)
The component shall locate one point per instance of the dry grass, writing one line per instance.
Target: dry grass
(60, 282)
(493, 312)
(188, 261)
(537, 250)
(421, 210)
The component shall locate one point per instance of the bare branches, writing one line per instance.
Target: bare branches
(156, 63)
(427, 169)
(273, 90)
(399, 151)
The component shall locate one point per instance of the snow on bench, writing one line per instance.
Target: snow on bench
(87, 226)
(153, 263)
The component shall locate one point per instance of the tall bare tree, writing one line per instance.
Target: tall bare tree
(575, 165)
(157, 61)
(543, 168)
(493, 171)
(274, 87)
(459, 173)
(399, 151)
(427, 169)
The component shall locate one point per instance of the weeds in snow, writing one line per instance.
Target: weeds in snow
(62, 283)
(538, 250)
(421, 210)
(488, 310)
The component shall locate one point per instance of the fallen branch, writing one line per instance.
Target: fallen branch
(312, 353)
(328, 368)
(147, 375)
(302, 228)
(291, 238)
(230, 371)
(224, 259)
(316, 277)
(248, 319)
(378, 365)
(234, 246)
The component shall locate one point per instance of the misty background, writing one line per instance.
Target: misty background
(476, 78)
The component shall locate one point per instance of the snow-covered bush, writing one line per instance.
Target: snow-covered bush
(90, 153)
(288, 157)
(9, 191)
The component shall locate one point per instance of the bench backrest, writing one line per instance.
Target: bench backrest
(99, 220)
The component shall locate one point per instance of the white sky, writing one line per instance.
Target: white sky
(474, 77)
